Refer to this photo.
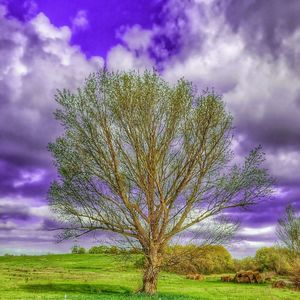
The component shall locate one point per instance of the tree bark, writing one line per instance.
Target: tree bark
(151, 272)
(150, 279)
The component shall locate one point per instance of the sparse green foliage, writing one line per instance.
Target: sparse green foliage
(288, 230)
(148, 160)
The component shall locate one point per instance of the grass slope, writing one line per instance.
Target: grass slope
(90, 276)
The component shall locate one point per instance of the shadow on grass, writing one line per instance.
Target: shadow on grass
(120, 292)
(77, 288)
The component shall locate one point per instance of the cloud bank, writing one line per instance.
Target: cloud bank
(36, 59)
(248, 52)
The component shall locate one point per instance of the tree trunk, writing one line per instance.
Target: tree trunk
(150, 279)
(151, 271)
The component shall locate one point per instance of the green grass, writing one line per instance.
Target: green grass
(90, 276)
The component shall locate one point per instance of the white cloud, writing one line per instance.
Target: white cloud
(37, 61)
(29, 177)
(285, 165)
(80, 21)
(262, 92)
(46, 30)
(40, 211)
(136, 38)
(253, 231)
(25, 207)
(120, 58)
(247, 248)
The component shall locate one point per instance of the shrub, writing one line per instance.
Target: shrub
(78, 250)
(114, 250)
(295, 275)
(81, 250)
(247, 263)
(74, 249)
(197, 259)
(99, 249)
(274, 259)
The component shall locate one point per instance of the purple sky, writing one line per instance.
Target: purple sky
(249, 51)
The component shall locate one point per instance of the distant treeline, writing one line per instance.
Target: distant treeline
(207, 259)
(102, 249)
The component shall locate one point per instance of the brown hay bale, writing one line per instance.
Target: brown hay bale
(226, 278)
(279, 284)
(257, 277)
(244, 279)
(199, 277)
(248, 277)
(194, 276)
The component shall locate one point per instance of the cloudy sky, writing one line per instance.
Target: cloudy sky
(248, 51)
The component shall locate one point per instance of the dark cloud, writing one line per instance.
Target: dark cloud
(14, 212)
(17, 180)
(50, 224)
(264, 24)
(7, 226)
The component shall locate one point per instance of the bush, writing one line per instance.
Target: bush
(274, 259)
(81, 250)
(99, 250)
(246, 263)
(295, 275)
(198, 259)
(267, 259)
(78, 250)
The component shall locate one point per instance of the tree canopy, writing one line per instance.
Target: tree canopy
(147, 160)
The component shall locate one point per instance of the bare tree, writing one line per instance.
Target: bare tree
(147, 160)
(288, 230)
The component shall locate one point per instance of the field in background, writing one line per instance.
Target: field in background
(106, 276)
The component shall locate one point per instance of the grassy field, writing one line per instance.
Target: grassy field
(91, 276)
